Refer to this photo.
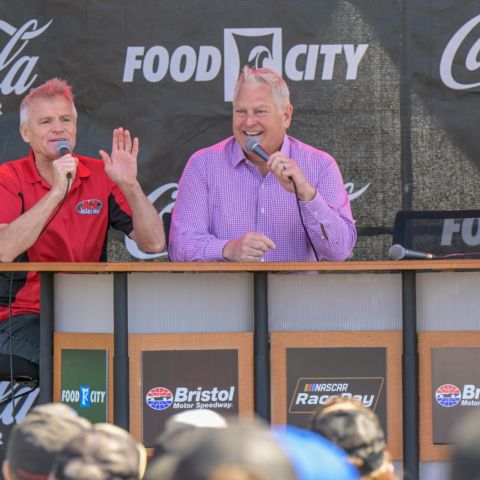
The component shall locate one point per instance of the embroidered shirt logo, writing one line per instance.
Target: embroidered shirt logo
(89, 207)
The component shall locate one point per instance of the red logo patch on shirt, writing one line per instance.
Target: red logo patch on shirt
(89, 207)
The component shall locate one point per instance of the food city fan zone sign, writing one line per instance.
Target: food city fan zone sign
(314, 375)
(175, 381)
(455, 388)
(173, 87)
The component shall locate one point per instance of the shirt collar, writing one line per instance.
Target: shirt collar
(32, 175)
(238, 154)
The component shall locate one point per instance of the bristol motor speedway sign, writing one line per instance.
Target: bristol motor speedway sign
(174, 381)
(455, 388)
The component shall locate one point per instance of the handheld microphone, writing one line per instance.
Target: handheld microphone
(64, 147)
(397, 252)
(253, 145)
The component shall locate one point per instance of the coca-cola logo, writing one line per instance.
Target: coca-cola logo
(460, 40)
(17, 71)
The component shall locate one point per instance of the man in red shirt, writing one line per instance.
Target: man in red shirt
(58, 207)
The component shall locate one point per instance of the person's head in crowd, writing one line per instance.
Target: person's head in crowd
(37, 439)
(466, 450)
(315, 457)
(104, 452)
(355, 428)
(181, 427)
(240, 451)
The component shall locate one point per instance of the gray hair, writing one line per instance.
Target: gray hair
(55, 87)
(265, 76)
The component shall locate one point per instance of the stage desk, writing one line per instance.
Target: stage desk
(268, 311)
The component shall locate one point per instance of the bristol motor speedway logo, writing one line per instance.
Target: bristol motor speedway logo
(260, 47)
(448, 395)
(161, 398)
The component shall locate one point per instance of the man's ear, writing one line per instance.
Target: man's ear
(6, 470)
(24, 133)
(287, 116)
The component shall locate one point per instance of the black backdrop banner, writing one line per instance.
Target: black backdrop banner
(390, 89)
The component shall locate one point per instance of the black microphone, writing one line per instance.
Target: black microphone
(397, 252)
(64, 147)
(253, 145)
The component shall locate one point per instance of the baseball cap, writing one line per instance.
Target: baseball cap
(353, 427)
(314, 457)
(37, 439)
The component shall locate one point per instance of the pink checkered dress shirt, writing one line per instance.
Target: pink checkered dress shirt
(222, 196)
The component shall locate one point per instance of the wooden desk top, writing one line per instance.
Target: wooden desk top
(365, 266)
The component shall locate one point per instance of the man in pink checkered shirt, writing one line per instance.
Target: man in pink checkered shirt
(234, 206)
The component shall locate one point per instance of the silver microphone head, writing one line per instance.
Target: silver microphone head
(396, 252)
(251, 144)
(63, 147)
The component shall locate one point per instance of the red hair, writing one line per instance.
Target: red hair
(54, 87)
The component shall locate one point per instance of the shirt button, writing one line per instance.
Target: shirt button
(263, 186)
(262, 210)
(262, 259)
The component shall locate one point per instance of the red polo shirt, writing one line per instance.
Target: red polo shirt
(77, 234)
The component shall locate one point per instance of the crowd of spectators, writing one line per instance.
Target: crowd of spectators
(344, 441)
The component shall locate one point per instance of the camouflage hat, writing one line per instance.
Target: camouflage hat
(40, 436)
(103, 452)
(354, 428)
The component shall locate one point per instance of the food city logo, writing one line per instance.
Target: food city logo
(467, 228)
(16, 70)
(449, 395)
(311, 392)
(84, 397)
(463, 52)
(161, 398)
(89, 207)
(260, 47)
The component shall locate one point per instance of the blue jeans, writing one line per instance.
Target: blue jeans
(25, 336)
